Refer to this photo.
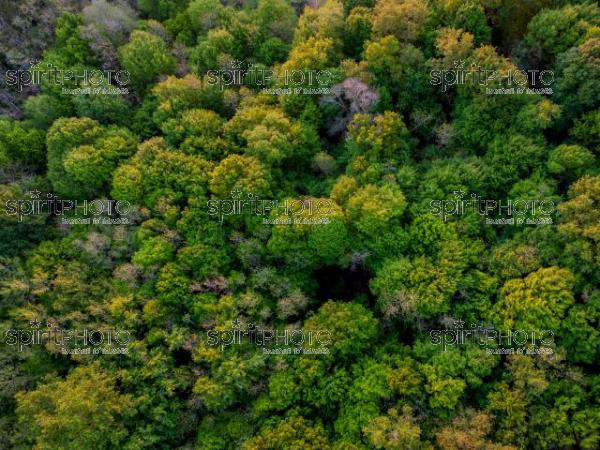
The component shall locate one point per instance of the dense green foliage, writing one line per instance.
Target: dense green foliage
(381, 271)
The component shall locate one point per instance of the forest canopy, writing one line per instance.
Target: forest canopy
(305, 224)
